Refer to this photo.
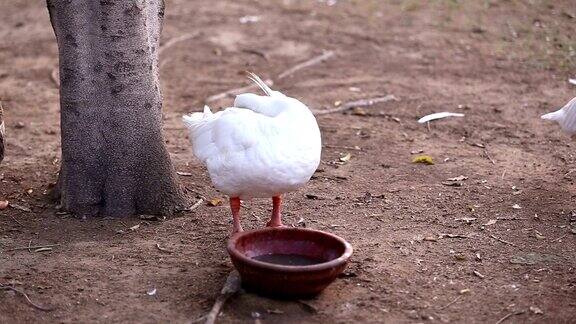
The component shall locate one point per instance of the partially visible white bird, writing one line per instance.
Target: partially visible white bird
(2, 131)
(262, 147)
(566, 117)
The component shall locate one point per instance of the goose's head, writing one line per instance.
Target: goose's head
(566, 117)
(277, 102)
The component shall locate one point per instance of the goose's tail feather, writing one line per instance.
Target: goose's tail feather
(553, 116)
(256, 79)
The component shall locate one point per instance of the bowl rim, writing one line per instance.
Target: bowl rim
(231, 247)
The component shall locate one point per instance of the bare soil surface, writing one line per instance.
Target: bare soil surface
(425, 251)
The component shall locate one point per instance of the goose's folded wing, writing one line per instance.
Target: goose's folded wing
(233, 131)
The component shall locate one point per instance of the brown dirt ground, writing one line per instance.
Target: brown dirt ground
(502, 63)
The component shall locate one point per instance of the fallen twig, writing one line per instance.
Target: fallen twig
(236, 91)
(17, 222)
(489, 157)
(176, 40)
(231, 287)
(511, 218)
(269, 82)
(313, 61)
(508, 315)
(32, 247)
(451, 303)
(163, 249)
(14, 289)
(357, 103)
(513, 31)
(355, 148)
(256, 52)
(196, 205)
(501, 240)
(561, 237)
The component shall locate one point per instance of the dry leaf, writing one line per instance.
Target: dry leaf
(135, 227)
(458, 178)
(460, 257)
(536, 310)
(345, 158)
(359, 111)
(424, 159)
(215, 202)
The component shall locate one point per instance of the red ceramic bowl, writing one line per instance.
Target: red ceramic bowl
(288, 262)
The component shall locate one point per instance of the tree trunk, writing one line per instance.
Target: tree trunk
(114, 161)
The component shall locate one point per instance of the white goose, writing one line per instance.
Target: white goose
(2, 130)
(262, 147)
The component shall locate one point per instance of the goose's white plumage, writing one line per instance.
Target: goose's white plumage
(264, 146)
(565, 116)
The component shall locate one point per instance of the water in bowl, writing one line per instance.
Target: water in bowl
(288, 259)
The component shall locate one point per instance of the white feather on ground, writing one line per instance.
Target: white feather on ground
(438, 115)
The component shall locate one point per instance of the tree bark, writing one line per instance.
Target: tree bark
(114, 161)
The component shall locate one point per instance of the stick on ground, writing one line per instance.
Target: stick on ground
(501, 240)
(315, 60)
(236, 91)
(489, 156)
(196, 205)
(231, 287)
(450, 303)
(42, 308)
(509, 315)
(32, 247)
(176, 40)
(357, 103)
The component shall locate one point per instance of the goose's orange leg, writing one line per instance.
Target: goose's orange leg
(235, 207)
(276, 220)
